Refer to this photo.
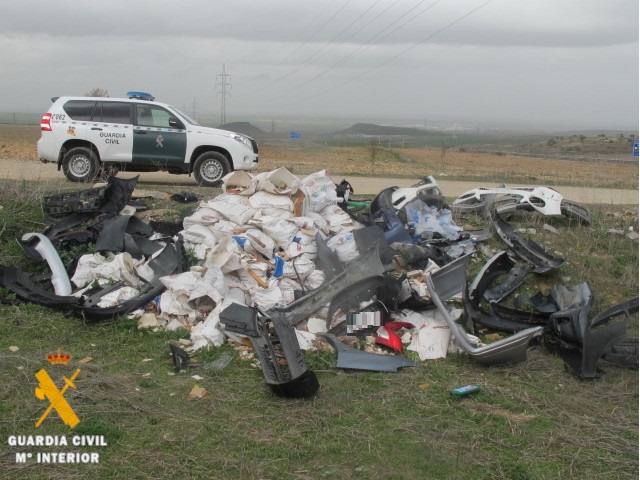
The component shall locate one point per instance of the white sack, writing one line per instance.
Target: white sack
(261, 242)
(240, 181)
(280, 181)
(319, 191)
(95, 267)
(226, 255)
(202, 216)
(118, 296)
(232, 207)
(261, 200)
(344, 246)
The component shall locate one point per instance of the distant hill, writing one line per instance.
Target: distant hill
(373, 129)
(245, 128)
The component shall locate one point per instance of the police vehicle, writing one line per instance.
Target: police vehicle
(90, 137)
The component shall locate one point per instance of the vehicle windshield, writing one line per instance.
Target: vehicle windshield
(187, 117)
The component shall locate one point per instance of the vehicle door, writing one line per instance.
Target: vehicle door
(111, 131)
(159, 138)
(74, 119)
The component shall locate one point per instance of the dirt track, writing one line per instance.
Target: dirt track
(34, 170)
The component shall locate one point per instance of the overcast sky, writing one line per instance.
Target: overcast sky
(546, 63)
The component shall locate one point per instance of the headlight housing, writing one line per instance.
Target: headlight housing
(242, 139)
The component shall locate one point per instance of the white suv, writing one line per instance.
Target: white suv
(87, 136)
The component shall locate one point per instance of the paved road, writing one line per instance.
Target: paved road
(33, 170)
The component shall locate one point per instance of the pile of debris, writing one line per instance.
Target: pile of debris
(289, 263)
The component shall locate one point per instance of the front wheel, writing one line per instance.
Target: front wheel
(80, 164)
(209, 168)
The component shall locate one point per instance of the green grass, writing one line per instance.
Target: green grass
(529, 421)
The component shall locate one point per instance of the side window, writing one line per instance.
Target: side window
(115, 112)
(79, 109)
(153, 116)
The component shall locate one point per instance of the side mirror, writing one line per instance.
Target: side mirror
(175, 123)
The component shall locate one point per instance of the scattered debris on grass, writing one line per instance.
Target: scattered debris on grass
(278, 264)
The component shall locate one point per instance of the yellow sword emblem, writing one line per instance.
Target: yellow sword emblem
(47, 389)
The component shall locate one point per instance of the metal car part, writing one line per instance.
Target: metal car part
(450, 280)
(514, 278)
(59, 276)
(401, 196)
(498, 317)
(544, 200)
(169, 261)
(277, 349)
(353, 359)
(582, 341)
(383, 214)
(272, 333)
(527, 250)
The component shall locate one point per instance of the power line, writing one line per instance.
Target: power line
(402, 52)
(316, 31)
(221, 87)
(380, 35)
(309, 59)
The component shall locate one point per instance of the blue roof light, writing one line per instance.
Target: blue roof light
(141, 96)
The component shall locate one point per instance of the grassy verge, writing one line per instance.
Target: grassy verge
(530, 421)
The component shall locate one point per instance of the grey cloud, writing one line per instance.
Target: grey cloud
(566, 63)
(541, 23)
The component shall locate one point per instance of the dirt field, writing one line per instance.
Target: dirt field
(18, 161)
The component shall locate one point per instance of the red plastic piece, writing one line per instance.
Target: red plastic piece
(387, 336)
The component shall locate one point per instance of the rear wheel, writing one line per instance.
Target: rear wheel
(80, 164)
(209, 168)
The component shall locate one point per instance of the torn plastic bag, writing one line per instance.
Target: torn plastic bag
(451, 280)
(430, 220)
